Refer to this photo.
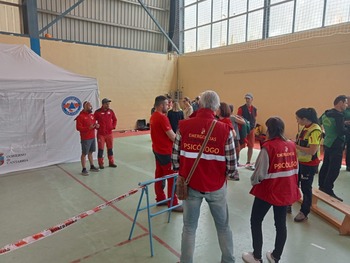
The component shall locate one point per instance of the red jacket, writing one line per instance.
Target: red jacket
(210, 174)
(83, 124)
(107, 121)
(280, 188)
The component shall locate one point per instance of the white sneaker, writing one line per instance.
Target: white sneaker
(270, 258)
(248, 257)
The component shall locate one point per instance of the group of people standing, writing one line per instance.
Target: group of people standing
(281, 167)
(87, 122)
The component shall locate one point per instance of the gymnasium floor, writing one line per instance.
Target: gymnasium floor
(35, 200)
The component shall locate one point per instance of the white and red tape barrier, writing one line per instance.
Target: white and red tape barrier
(55, 229)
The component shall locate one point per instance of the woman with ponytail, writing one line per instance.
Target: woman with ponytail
(308, 152)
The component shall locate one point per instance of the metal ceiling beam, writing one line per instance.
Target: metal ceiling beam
(158, 25)
(60, 16)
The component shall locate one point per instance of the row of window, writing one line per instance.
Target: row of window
(214, 23)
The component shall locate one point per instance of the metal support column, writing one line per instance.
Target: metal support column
(32, 26)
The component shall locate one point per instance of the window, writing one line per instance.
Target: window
(203, 37)
(204, 9)
(281, 19)
(219, 37)
(220, 10)
(190, 41)
(337, 11)
(237, 30)
(255, 25)
(238, 7)
(190, 17)
(308, 14)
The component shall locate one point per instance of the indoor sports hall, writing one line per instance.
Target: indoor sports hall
(55, 55)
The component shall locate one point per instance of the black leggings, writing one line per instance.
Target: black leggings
(259, 210)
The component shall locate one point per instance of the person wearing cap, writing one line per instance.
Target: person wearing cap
(249, 112)
(86, 125)
(108, 122)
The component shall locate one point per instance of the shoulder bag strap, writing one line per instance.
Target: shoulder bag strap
(200, 152)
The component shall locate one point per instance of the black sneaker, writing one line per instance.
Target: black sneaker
(336, 197)
(94, 169)
(84, 172)
(112, 165)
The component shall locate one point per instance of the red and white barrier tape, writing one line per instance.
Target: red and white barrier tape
(55, 229)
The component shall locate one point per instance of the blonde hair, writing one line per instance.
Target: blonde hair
(176, 106)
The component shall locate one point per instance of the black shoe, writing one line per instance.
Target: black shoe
(336, 197)
(94, 169)
(112, 165)
(348, 168)
(84, 172)
(163, 204)
(332, 194)
(101, 166)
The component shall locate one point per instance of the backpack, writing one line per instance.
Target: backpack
(244, 129)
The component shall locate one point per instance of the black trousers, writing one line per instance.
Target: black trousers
(348, 151)
(259, 210)
(330, 168)
(306, 178)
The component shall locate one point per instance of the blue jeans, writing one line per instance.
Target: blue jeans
(219, 210)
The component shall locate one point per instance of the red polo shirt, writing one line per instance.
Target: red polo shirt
(159, 124)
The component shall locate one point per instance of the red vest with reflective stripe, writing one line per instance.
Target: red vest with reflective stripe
(210, 174)
(280, 188)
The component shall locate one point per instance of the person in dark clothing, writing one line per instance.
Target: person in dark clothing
(249, 112)
(308, 152)
(333, 123)
(175, 115)
(347, 124)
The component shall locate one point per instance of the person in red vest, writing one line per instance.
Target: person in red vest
(108, 122)
(275, 183)
(209, 180)
(86, 125)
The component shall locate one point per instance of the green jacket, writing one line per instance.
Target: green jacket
(333, 124)
(347, 114)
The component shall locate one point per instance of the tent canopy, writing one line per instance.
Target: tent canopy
(38, 105)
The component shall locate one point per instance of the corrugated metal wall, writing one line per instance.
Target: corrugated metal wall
(117, 23)
(10, 20)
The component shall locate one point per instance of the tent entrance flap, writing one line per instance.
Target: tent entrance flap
(22, 122)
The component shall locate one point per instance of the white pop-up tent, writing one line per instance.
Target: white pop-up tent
(38, 105)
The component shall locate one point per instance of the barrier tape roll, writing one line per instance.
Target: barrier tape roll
(55, 229)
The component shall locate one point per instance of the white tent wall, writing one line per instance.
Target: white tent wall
(38, 106)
